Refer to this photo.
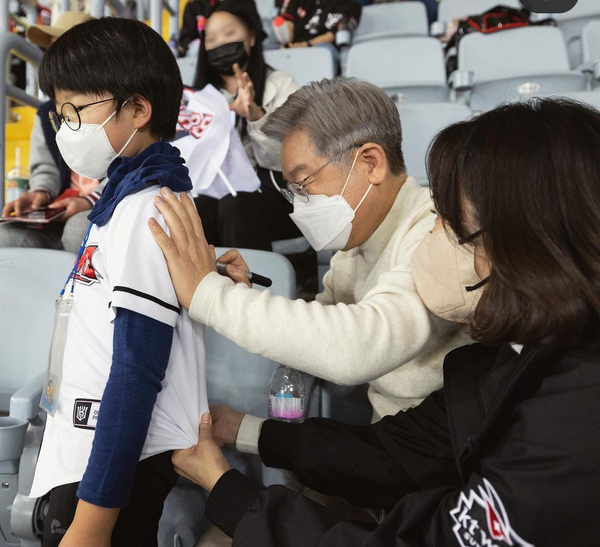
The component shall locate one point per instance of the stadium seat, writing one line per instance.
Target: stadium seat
(304, 64)
(390, 20)
(590, 42)
(266, 9)
(30, 281)
(572, 23)
(456, 9)
(241, 380)
(520, 62)
(187, 67)
(420, 124)
(408, 69)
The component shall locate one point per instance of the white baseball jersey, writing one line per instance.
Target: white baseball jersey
(121, 267)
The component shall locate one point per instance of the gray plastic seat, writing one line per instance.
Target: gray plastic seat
(304, 64)
(408, 69)
(240, 380)
(30, 281)
(590, 41)
(572, 23)
(187, 68)
(456, 9)
(516, 63)
(420, 124)
(391, 20)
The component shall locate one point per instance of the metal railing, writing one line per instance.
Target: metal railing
(13, 45)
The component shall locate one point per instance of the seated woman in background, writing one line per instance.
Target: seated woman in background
(231, 59)
(508, 452)
(315, 22)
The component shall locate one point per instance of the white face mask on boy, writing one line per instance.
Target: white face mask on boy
(326, 221)
(88, 151)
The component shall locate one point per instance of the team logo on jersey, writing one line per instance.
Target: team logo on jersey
(85, 413)
(481, 520)
(86, 273)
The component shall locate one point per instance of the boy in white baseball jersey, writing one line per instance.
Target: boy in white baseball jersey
(132, 386)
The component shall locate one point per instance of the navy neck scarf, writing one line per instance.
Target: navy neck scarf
(160, 164)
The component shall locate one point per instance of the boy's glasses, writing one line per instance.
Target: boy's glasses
(69, 114)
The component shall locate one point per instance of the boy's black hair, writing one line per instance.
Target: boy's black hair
(122, 57)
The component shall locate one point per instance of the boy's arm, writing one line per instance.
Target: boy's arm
(141, 350)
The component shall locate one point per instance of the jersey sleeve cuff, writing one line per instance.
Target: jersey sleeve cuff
(144, 304)
(231, 497)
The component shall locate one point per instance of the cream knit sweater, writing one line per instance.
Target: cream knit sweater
(368, 325)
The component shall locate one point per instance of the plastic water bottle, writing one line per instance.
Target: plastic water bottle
(286, 396)
(281, 30)
(17, 179)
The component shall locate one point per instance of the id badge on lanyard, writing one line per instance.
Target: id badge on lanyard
(64, 304)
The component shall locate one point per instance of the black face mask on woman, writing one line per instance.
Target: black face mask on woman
(223, 58)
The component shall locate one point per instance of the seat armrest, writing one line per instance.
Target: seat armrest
(591, 67)
(25, 403)
(437, 29)
(461, 80)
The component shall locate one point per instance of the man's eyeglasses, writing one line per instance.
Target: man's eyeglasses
(69, 114)
(296, 189)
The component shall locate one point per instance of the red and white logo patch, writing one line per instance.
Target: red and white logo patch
(480, 520)
(86, 273)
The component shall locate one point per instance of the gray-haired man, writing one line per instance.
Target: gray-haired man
(341, 151)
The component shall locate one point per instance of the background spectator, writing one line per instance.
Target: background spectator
(231, 59)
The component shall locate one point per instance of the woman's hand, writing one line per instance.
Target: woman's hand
(226, 424)
(204, 463)
(74, 205)
(244, 104)
(189, 257)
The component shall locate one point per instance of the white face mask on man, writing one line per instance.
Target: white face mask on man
(88, 151)
(445, 277)
(326, 221)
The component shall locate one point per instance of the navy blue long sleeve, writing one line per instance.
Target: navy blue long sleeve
(141, 350)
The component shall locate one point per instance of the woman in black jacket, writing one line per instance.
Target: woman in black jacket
(508, 453)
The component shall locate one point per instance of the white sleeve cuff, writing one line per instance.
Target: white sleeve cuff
(248, 435)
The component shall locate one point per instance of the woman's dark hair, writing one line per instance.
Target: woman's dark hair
(119, 56)
(530, 173)
(257, 68)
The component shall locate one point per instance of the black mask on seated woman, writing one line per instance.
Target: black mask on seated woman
(223, 58)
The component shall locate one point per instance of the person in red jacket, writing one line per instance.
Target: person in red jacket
(508, 452)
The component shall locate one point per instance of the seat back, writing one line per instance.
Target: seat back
(266, 9)
(235, 377)
(389, 20)
(572, 23)
(304, 64)
(456, 9)
(417, 64)
(590, 41)
(516, 52)
(420, 124)
(187, 68)
(517, 63)
(30, 281)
